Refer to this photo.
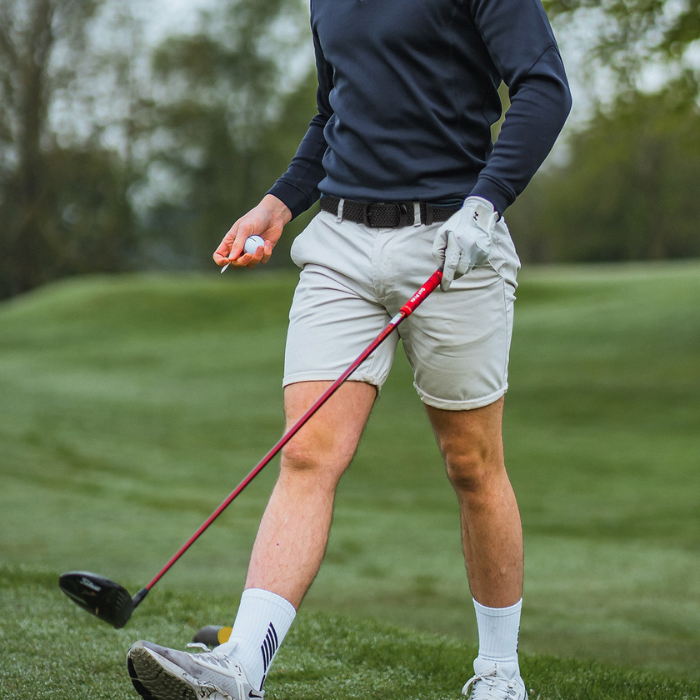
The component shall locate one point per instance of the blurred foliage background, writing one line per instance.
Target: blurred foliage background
(124, 149)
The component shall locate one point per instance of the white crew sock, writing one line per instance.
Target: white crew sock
(498, 632)
(263, 620)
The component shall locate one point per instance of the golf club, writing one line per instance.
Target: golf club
(112, 603)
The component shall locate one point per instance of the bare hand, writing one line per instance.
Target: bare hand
(267, 220)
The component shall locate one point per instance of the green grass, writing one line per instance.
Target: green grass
(52, 652)
(131, 406)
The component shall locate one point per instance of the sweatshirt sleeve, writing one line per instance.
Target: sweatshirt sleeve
(298, 187)
(521, 44)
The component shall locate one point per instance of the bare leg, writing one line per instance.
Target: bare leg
(472, 447)
(293, 534)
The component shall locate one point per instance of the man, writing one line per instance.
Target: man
(401, 155)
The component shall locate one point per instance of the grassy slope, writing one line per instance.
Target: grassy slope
(129, 408)
(603, 424)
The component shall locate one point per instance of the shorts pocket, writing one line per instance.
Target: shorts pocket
(504, 258)
(294, 250)
(305, 247)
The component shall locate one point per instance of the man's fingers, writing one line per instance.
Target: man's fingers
(261, 255)
(222, 255)
(267, 251)
(258, 256)
(440, 245)
(236, 251)
(231, 250)
(241, 231)
(453, 263)
(448, 274)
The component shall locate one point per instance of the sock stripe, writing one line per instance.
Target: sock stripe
(269, 647)
(262, 621)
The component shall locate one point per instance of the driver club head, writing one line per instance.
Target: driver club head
(101, 597)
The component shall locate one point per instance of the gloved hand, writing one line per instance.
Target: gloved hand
(464, 240)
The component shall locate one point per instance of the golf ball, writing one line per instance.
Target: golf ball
(252, 244)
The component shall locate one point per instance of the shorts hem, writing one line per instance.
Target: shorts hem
(468, 405)
(325, 377)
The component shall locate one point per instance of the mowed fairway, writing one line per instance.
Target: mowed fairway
(131, 406)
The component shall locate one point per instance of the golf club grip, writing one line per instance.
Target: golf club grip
(406, 310)
(430, 285)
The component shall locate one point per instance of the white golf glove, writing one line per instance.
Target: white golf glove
(464, 240)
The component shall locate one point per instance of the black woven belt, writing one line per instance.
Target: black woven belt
(385, 214)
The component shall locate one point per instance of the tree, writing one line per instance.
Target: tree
(63, 206)
(628, 190)
(631, 35)
(230, 115)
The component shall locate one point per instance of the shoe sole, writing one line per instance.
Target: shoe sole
(156, 678)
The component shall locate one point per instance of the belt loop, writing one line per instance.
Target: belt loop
(339, 215)
(416, 214)
(428, 214)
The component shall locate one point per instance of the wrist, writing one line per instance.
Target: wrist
(478, 199)
(482, 213)
(277, 208)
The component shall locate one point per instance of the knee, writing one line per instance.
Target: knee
(306, 458)
(300, 456)
(472, 470)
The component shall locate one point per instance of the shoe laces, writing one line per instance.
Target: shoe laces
(211, 655)
(488, 686)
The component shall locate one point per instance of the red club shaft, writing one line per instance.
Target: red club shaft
(406, 310)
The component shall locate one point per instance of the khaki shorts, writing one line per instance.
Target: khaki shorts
(355, 278)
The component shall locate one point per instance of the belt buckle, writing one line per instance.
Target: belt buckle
(403, 214)
(400, 206)
(365, 213)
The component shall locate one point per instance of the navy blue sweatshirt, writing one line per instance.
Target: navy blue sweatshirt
(408, 91)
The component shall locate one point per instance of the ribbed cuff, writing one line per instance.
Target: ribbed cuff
(297, 201)
(494, 193)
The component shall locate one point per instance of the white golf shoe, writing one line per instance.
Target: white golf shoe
(159, 673)
(495, 681)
